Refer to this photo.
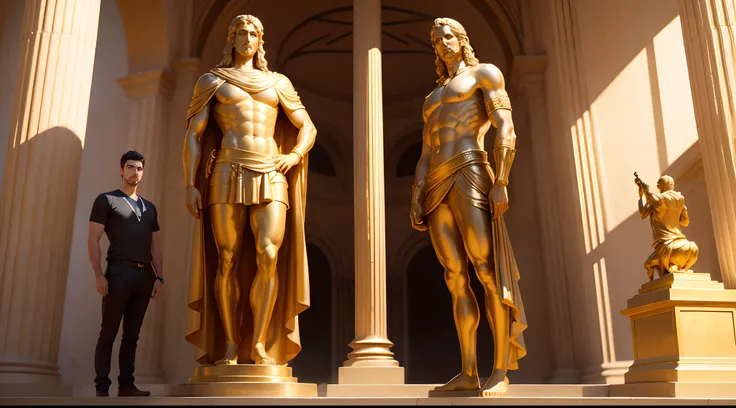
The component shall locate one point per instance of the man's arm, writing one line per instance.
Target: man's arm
(94, 235)
(644, 209)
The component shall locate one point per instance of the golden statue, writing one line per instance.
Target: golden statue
(666, 212)
(249, 199)
(457, 197)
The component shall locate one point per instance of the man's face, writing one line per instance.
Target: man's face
(246, 41)
(132, 172)
(446, 44)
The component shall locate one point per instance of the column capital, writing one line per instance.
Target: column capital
(158, 81)
(186, 65)
(525, 66)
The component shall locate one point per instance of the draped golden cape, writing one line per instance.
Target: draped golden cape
(473, 167)
(204, 327)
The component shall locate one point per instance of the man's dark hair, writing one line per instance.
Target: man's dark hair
(132, 155)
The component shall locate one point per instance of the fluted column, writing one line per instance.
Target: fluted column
(150, 93)
(40, 188)
(371, 346)
(528, 75)
(709, 32)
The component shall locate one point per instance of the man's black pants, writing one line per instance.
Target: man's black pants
(129, 291)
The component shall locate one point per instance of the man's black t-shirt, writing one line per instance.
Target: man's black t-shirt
(129, 225)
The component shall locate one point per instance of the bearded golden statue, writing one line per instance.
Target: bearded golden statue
(245, 170)
(461, 202)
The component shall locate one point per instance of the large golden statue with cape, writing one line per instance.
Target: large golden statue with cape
(457, 197)
(245, 169)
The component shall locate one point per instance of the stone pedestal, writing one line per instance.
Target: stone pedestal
(242, 380)
(684, 332)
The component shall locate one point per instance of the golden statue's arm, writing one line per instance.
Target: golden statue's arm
(192, 152)
(422, 168)
(498, 107)
(307, 132)
(684, 217)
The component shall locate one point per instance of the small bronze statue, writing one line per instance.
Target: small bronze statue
(667, 213)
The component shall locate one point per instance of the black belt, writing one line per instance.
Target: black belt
(139, 265)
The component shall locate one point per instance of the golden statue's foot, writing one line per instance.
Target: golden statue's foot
(461, 382)
(496, 386)
(231, 355)
(260, 356)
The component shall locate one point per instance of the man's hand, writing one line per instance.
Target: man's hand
(101, 285)
(194, 201)
(415, 215)
(284, 162)
(158, 287)
(499, 200)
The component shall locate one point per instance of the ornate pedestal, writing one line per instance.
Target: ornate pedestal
(242, 380)
(684, 332)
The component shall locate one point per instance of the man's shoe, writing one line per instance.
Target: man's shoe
(132, 391)
(102, 393)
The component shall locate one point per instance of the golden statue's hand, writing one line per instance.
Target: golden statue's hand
(284, 162)
(415, 215)
(194, 201)
(499, 200)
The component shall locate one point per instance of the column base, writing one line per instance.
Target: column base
(371, 375)
(35, 390)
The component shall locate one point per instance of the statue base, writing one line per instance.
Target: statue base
(684, 338)
(242, 380)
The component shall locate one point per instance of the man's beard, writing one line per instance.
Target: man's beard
(245, 51)
(132, 183)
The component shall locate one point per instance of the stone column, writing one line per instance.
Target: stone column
(150, 93)
(528, 78)
(708, 29)
(40, 188)
(371, 361)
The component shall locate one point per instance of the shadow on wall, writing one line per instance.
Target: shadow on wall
(632, 240)
(41, 179)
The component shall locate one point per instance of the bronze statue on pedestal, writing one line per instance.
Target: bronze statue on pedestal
(457, 197)
(667, 212)
(249, 278)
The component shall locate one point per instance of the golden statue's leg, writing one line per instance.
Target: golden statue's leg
(475, 227)
(228, 221)
(268, 222)
(448, 246)
(652, 265)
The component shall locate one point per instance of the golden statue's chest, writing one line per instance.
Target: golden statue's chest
(230, 94)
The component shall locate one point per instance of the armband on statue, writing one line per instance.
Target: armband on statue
(503, 154)
(499, 101)
(297, 152)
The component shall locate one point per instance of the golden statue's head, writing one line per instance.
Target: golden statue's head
(244, 37)
(450, 41)
(665, 183)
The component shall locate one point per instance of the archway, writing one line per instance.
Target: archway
(434, 352)
(314, 363)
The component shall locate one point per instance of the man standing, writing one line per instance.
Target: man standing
(133, 275)
(457, 198)
(249, 278)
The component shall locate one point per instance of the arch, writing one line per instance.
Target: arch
(146, 35)
(411, 135)
(501, 15)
